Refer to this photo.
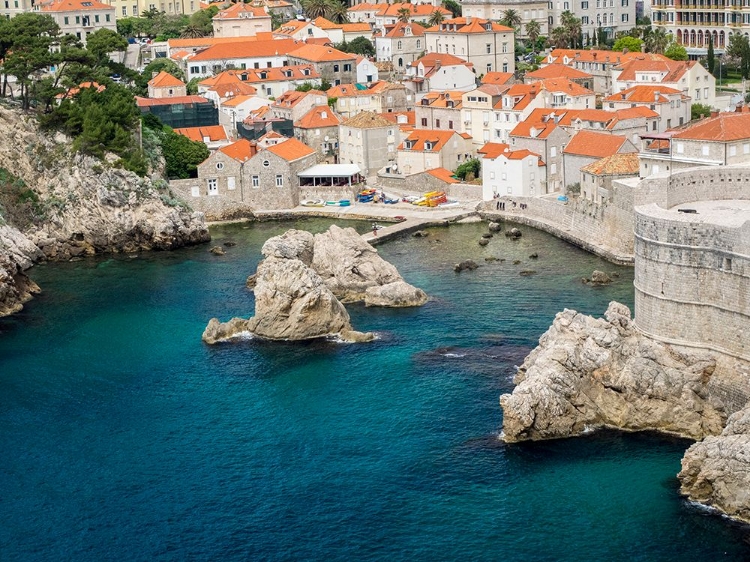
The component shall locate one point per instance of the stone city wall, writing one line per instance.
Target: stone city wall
(215, 207)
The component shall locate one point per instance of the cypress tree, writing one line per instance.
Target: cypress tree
(710, 57)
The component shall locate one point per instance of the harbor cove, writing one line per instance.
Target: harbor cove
(124, 437)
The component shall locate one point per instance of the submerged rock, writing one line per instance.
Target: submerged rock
(716, 471)
(599, 278)
(464, 265)
(513, 233)
(483, 241)
(420, 234)
(217, 251)
(396, 294)
(495, 227)
(594, 372)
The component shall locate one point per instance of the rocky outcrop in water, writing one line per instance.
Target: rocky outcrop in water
(301, 279)
(716, 471)
(592, 372)
(355, 272)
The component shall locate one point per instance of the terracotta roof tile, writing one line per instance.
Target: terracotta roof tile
(498, 78)
(492, 150)
(367, 120)
(558, 71)
(670, 71)
(417, 10)
(242, 150)
(165, 80)
(400, 27)
(244, 48)
(291, 150)
(593, 144)
(615, 165)
(464, 25)
(241, 10)
(319, 117)
(724, 127)
(212, 132)
(419, 137)
(319, 53)
(644, 94)
(443, 174)
(594, 55)
(147, 102)
(73, 6)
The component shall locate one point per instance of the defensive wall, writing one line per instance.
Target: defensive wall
(692, 268)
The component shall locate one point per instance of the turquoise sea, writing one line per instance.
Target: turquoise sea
(123, 437)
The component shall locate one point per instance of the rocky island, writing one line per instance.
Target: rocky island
(302, 281)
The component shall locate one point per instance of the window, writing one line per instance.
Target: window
(492, 175)
(732, 151)
(220, 165)
(96, 18)
(704, 150)
(553, 152)
(680, 148)
(624, 17)
(489, 48)
(450, 125)
(424, 121)
(124, 11)
(553, 168)
(398, 46)
(65, 19)
(107, 17)
(437, 123)
(347, 67)
(279, 180)
(504, 176)
(584, 5)
(213, 186)
(746, 148)
(266, 163)
(335, 68)
(419, 43)
(256, 181)
(78, 19)
(230, 182)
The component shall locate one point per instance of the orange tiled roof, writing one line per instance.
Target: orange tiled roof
(237, 100)
(593, 144)
(521, 94)
(466, 25)
(76, 90)
(244, 48)
(445, 59)
(291, 27)
(492, 150)
(213, 132)
(498, 78)
(291, 150)
(242, 150)
(259, 114)
(523, 153)
(594, 55)
(318, 117)
(73, 6)
(724, 127)
(616, 165)
(635, 112)
(442, 99)
(558, 71)
(355, 27)
(645, 93)
(419, 137)
(400, 27)
(443, 175)
(409, 117)
(417, 10)
(293, 97)
(201, 42)
(148, 102)
(165, 80)
(323, 23)
(319, 53)
(670, 71)
(564, 85)
(241, 10)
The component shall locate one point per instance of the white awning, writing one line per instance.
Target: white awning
(330, 171)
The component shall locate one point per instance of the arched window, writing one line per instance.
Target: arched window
(400, 62)
(419, 43)
(398, 45)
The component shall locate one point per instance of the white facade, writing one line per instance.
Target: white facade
(609, 15)
(513, 174)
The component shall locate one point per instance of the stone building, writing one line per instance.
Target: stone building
(239, 54)
(293, 105)
(427, 149)
(596, 16)
(528, 10)
(241, 20)
(597, 178)
(586, 147)
(672, 106)
(439, 111)
(488, 45)
(400, 44)
(331, 64)
(319, 129)
(478, 113)
(79, 17)
(380, 97)
(439, 71)
(369, 141)
(546, 72)
(542, 134)
(164, 85)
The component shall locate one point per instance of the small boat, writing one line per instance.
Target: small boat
(344, 203)
(390, 201)
(331, 203)
(313, 203)
(449, 203)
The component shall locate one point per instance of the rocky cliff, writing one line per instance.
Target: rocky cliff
(299, 282)
(716, 471)
(592, 372)
(66, 205)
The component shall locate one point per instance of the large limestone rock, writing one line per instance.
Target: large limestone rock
(349, 266)
(588, 373)
(716, 471)
(291, 303)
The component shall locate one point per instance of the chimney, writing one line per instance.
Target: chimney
(468, 20)
(657, 95)
(714, 114)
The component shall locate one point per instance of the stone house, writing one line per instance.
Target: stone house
(543, 135)
(367, 72)
(236, 109)
(220, 175)
(362, 139)
(426, 149)
(239, 54)
(380, 97)
(226, 85)
(439, 110)
(294, 105)
(400, 43)
(583, 79)
(597, 177)
(301, 30)
(439, 72)
(213, 136)
(514, 173)
(164, 85)
(241, 20)
(720, 140)
(672, 106)
(488, 45)
(384, 14)
(79, 17)
(478, 106)
(631, 123)
(586, 147)
(331, 64)
(319, 129)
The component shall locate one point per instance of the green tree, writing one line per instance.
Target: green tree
(698, 110)
(533, 31)
(572, 26)
(739, 49)
(676, 51)
(203, 20)
(102, 42)
(711, 57)
(559, 38)
(163, 64)
(469, 170)
(182, 155)
(436, 18)
(30, 37)
(453, 7)
(656, 41)
(357, 46)
(404, 14)
(511, 18)
(632, 44)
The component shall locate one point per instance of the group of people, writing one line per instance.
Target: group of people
(501, 205)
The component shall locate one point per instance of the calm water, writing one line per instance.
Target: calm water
(123, 437)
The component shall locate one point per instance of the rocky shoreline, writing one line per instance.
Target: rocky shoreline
(57, 205)
(588, 373)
